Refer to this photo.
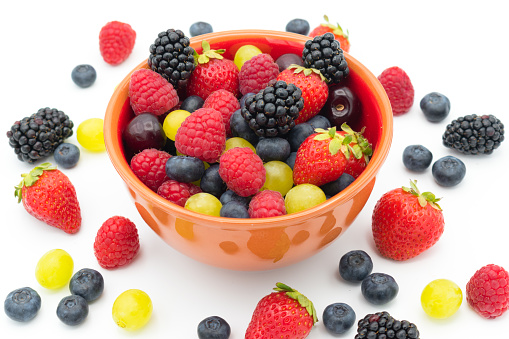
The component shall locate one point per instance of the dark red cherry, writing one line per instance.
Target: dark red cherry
(144, 131)
(342, 106)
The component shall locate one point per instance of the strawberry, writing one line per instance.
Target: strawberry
(361, 151)
(406, 222)
(213, 72)
(313, 86)
(49, 196)
(338, 32)
(285, 313)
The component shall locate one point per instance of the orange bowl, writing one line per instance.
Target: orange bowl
(267, 243)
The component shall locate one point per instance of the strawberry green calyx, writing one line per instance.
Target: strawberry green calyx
(349, 143)
(302, 299)
(423, 198)
(306, 71)
(207, 53)
(336, 29)
(361, 147)
(31, 178)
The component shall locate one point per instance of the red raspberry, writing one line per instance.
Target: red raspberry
(488, 291)
(202, 135)
(149, 166)
(149, 92)
(267, 203)
(226, 103)
(116, 42)
(256, 73)
(242, 171)
(116, 243)
(399, 89)
(177, 192)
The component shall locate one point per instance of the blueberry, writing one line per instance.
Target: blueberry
(290, 161)
(417, 158)
(338, 318)
(435, 106)
(87, 283)
(298, 134)
(319, 121)
(211, 181)
(192, 103)
(199, 28)
(355, 265)
(448, 171)
(234, 209)
(213, 327)
(67, 155)
(299, 26)
(184, 169)
(334, 187)
(230, 195)
(84, 75)
(22, 304)
(276, 148)
(240, 128)
(72, 310)
(379, 288)
(285, 60)
(144, 131)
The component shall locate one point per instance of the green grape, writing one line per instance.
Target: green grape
(441, 298)
(173, 121)
(54, 269)
(90, 135)
(244, 53)
(238, 142)
(132, 309)
(302, 197)
(279, 177)
(204, 203)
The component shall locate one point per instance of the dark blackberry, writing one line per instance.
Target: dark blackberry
(38, 136)
(272, 111)
(172, 57)
(382, 325)
(324, 53)
(473, 134)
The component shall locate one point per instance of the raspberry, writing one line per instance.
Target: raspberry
(256, 73)
(116, 243)
(487, 291)
(116, 42)
(202, 135)
(226, 103)
(149, 166)
(242, 171)
(177, 192)
(267, 203)
(399, 89)
(149, 92)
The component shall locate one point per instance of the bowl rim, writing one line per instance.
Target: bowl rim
(114, 147)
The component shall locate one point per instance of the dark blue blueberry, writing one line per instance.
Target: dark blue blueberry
(144, 131)
(298, 134)
(72, 310)
(230, 195)
(417, 158)
(199, 28)
(22, 304)
(355, 265)
(285, 60)
(234, 209)
(87, 283)
(448, 171)
(84, 75)
(435, 106)
(240, 128)
(338, 318)
(211, 181)
(269, 149)
(192, 103)
(290, 161)
(334, 187)
(169, 147)
(184, 169)
(213, 327)
(379, 288)
(319, 121)
(67, 155)
(299, 26)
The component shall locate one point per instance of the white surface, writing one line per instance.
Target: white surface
(459, 51)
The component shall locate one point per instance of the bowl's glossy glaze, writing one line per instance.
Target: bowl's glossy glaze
(256, 244)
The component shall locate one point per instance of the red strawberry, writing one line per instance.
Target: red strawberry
(224, 102)
(213, 72)
(285, 313)
(314, 89)
(360, 151)
(49, 195)
(338, 32)
(406, 222)
(116, 42)
(399, 89)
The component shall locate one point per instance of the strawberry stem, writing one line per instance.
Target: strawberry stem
(31, 178)
(302, 299)
(207, 53)
(423, 198)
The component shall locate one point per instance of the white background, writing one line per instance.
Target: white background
(458, 49)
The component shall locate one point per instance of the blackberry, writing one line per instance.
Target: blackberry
(172, 57)
(38, 136)
(473, 134)
(272, 111)
(382, 325)
(324, 53)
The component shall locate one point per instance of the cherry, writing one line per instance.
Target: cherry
(144, 131)
(342, 106)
